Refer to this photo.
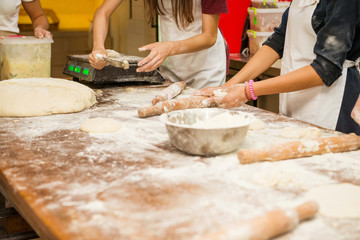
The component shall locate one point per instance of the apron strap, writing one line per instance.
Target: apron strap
(349, 64)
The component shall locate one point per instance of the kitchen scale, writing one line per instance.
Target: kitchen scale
(79, 68)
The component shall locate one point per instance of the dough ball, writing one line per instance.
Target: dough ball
(337, 200)
(100, 125)
(257, 125)
(29, 97)
(308, 132)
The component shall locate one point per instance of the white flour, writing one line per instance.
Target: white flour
(223, 120)
(127, 185)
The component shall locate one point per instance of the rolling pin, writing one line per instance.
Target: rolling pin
(176, 104)
(297, 149)
(170, 92)
(267, 226)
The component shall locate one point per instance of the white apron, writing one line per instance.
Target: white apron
(318, 105)
(200, 69)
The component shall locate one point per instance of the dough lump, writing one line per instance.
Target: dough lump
(100, 125)
(28, 97)
(337, 200)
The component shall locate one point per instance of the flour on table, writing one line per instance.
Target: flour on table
(100, 125)
(308, 132)
(288, 175)
(257, 124)
(337, 200)
(29, 97)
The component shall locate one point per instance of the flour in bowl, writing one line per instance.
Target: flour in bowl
(224, 120)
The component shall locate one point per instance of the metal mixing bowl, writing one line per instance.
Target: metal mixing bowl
(204, 140)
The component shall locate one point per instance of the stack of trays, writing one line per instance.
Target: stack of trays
(264, 16)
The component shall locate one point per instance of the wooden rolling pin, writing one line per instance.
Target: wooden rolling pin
(267, 226)
(176, 104)
(297, 149)
(170, 92)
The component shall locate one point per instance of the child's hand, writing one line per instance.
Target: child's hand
(95, 61)
(40, 32)
(233, 96)
(355, 114)
(159, 51)
(207, 92)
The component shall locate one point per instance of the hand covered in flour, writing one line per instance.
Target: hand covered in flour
(355, 114)
(208, 91)
(159, 51)
(230, 97)
(41, 33)
(94, 59)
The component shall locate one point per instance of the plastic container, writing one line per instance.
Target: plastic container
(265, 20)
(25, 57)
(256, 39)
(269, 4)
(232, 23)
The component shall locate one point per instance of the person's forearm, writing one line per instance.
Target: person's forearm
(305, 77)
(204, 40)
(101, 22)
(101, 25)
(36, 14)
(264, 58)
(194, 44)
(41, 21)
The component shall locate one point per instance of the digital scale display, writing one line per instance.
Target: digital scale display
(77, 69)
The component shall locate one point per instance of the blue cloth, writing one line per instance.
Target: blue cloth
(336, 22)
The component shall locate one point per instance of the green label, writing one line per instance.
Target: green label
(77, 69)
(255, 20)
(86, 71)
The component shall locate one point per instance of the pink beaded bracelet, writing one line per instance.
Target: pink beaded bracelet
(246, 83)
(253, 96)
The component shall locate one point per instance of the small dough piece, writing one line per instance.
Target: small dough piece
(307, 133)
(257, 125)
(100, 125)
(125, 64)
(28, 97)
(130, 89)
(337, 200)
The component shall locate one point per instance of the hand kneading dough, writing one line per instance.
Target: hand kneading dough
(100, 125)
(30, 97)
(337, 200)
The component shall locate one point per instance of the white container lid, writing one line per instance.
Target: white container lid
(266, 10)
(255, 34)
(24, 40)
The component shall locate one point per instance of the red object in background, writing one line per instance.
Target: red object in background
(232, 24)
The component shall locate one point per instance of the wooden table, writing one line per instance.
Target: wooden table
(133, 184)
